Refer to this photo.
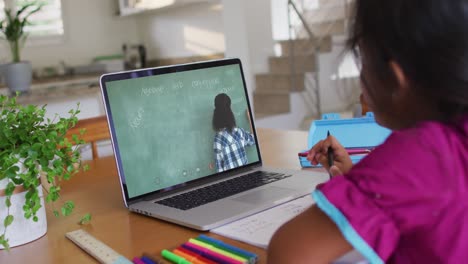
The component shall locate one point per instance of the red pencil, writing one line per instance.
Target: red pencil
(195, 255)
(353, 151)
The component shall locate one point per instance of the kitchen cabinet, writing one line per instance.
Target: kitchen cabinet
(131, 7)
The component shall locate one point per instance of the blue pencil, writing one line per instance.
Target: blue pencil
(234, 249)
(147, 260)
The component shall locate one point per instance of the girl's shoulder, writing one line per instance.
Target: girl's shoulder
(427, 151)
(433, 134)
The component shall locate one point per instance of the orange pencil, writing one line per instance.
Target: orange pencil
(195, 255)
(188, 257)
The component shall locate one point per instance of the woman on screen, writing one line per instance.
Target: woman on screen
(230, 141)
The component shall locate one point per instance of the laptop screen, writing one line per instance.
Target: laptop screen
(175, 125)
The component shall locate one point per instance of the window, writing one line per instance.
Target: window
(45, 23)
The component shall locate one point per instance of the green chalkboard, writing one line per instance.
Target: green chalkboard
(163, 125)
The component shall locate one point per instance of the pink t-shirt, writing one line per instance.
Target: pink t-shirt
(407, 201)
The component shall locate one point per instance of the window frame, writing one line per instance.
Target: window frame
(44, 40)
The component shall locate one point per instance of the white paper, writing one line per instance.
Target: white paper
(258, 229)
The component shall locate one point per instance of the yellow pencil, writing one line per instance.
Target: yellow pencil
(217, 250)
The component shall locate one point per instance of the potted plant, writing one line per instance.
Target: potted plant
(31, 145)
(18, 74)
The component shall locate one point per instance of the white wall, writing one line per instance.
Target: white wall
(191, 30)
(260, 34)
(339, 79)
(279, 11)
(248, 33)
(92, 28)
(280, 16)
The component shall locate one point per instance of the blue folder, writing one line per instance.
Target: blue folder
(351, 133)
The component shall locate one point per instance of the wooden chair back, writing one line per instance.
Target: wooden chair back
(96, 130)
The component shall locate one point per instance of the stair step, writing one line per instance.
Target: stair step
(332, 3)
(302, 64)
(278, 83)
(305, 46)
(336, 27)
(327, 14)
(271, 104)
(323, 29)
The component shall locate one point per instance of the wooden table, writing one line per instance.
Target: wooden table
(98, 191)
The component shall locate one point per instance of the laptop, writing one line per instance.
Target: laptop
(169, 165)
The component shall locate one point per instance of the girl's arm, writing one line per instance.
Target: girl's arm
(248, 119)
(311, 237)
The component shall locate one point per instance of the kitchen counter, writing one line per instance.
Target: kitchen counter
(58, 88)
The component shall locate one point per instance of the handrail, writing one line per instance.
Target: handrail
(317, 47)
(303, 21)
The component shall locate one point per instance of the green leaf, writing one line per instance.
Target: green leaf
(18, 181)
(66, 176)
(12, 172)
(75, 138)
(9, 189)
(54, 134)
(4, 242)
(57, 163)
(27, 214)
(56, 213)
(67, 208)
(36, 146)
(48, 198)
(8, 220)
(8, 202)
(85, 219)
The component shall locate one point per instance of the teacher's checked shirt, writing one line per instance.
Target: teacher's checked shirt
(229, 148)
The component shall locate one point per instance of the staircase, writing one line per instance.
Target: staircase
(293, 72)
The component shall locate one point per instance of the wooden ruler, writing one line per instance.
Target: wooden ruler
(100, 251)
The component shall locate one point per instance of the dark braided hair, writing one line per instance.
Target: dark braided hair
(223, 117)
(427, 38)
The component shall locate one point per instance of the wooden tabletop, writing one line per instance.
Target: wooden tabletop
(97, 191)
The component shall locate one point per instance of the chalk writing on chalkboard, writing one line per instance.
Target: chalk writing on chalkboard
(177, 86)
(136, 121)
(208, 84)
(152, 90)
(157, 180)
(190, 172)
(226, 89)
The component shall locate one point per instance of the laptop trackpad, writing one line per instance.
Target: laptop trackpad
(265, 195)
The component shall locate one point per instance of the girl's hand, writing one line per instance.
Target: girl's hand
(318, 154)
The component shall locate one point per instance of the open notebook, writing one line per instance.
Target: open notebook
(258, 229)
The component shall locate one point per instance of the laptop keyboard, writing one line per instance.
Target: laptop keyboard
(211, 193)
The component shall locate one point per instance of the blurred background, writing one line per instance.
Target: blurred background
(292, 51)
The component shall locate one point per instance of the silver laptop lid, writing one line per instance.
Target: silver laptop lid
(161, 123)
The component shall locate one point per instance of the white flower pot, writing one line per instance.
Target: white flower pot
(22, 230)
